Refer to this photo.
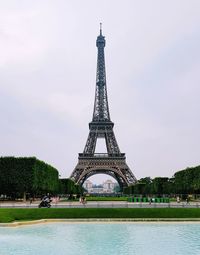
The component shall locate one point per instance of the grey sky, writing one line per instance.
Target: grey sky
(48, 71)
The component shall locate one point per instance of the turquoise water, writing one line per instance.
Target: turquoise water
(101, 238)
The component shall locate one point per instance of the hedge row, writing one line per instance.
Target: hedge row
(186, 181)
(27, 175)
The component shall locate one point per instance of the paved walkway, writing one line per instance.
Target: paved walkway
(101, 204)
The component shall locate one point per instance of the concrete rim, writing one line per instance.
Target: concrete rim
(102, 220)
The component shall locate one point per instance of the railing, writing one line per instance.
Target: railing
(102, 155)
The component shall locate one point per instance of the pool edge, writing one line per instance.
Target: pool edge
(100, 220)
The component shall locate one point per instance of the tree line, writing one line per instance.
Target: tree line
(185, 181)
(28, 175)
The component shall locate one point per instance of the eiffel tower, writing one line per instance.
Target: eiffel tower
(113, 162)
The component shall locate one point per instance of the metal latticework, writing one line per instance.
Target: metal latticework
(101, 111)
(113, 162)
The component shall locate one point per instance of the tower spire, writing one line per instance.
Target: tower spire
(101, 109)
(100, 28)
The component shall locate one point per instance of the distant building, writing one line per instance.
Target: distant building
(97, 189)
(108, 186)
(88, 185)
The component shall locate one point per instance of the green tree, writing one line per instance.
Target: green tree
(27, 175)
(187, 181)
(67, 186)
(159, 185)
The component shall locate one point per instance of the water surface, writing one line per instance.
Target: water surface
(101, 239)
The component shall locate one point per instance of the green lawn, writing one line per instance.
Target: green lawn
(18, 214)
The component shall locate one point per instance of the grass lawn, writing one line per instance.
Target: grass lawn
(18, 214)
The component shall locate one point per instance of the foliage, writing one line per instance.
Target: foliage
(67, 186)
(26, 175)
(147, 186)
(159, 185)
(187, 181)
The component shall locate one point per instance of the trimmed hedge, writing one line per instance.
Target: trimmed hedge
(27, 175)
(67, 186)
(185, 182)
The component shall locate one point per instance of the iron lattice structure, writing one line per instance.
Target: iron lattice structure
(113, 162)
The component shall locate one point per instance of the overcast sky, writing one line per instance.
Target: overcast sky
(48, 70)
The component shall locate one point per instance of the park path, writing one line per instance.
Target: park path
(101, 204)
